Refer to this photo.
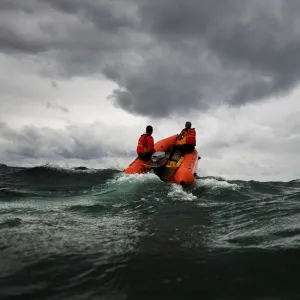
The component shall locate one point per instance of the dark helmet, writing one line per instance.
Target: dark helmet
(188, 125)
(149, 129)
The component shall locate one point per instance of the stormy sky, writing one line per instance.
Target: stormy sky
(80, 80)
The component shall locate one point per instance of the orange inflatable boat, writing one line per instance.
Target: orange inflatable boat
(180, 169)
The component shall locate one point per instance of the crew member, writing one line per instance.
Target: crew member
(145, 147)
(186, 140)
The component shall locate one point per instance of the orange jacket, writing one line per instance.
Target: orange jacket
(186, 136)
(145, 144)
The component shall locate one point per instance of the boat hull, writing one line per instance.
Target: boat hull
(185, 174)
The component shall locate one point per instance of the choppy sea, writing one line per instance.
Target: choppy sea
(100, 234)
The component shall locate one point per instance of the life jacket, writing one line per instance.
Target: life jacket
(190, 138)
(142, 146)
(186, 137)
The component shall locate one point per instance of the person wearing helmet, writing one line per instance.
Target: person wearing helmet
(145, 147)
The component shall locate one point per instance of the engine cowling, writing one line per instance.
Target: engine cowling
(158, 159)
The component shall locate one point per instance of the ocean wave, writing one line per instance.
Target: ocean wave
(92, 230)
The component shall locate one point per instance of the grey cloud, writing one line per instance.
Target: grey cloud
(41, 142)
(12, 41)
(180, 21)
(54, 84)
(106, 15)
(167, 57)
(257, 41)
(274, 140)
(289, 127)
(56, 106)
(28, 6)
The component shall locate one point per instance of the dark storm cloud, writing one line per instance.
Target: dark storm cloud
(12, 41)
(169, 56)
(106, 15)
(28, 6)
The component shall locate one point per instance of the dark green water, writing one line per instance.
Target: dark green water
(98, 234)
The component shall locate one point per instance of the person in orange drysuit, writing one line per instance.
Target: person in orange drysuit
(145, 147)
(186, 140)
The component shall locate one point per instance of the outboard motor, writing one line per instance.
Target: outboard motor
(158, 159)
(158, 162)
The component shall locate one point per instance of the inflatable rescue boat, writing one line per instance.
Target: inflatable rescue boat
(180, 169)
